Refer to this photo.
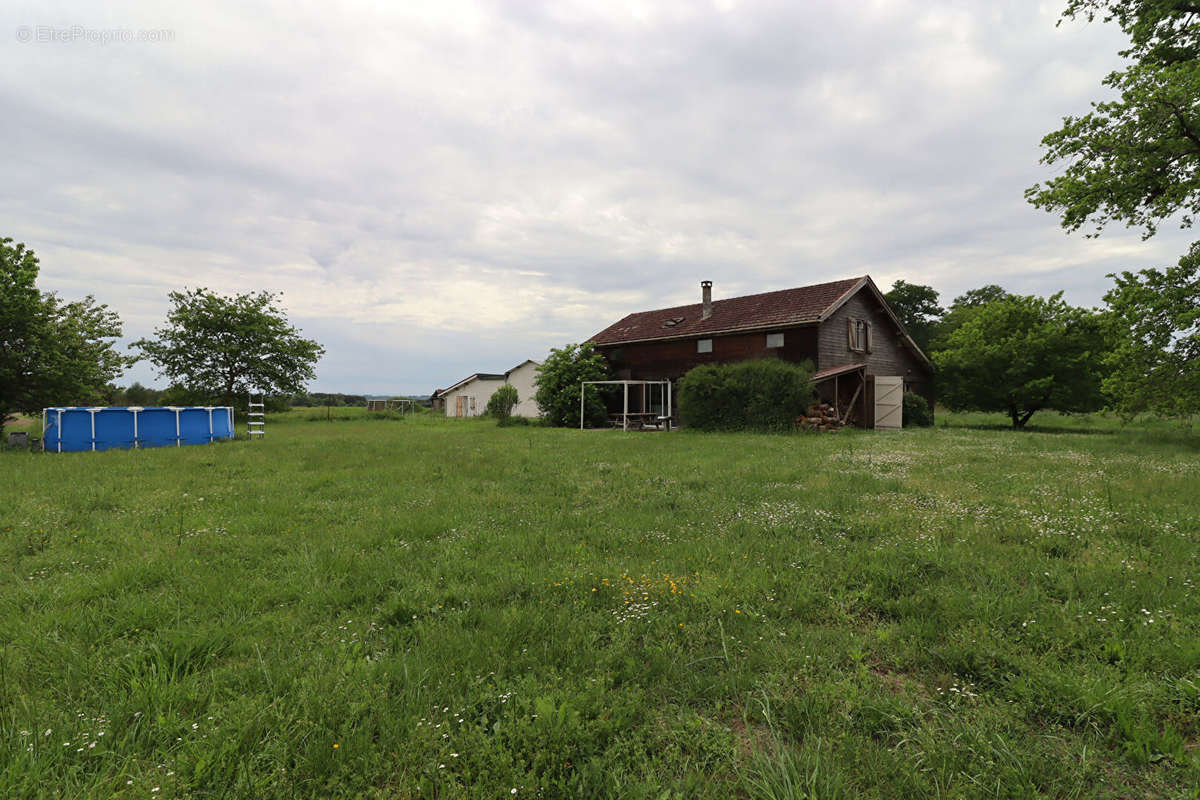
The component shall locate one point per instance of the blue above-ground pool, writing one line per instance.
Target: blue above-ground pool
(73, 429)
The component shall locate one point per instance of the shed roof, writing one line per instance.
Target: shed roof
(482, 376)
(831, 372)
(523, 363)
(800, 306)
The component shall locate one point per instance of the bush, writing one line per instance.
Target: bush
(916, 411)
(502, 401)
(558, 381)
(762, 395)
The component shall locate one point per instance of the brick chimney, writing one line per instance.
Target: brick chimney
(706, 294)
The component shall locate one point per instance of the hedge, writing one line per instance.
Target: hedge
(761, 395)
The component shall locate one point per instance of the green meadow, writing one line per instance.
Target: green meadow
(418, 607)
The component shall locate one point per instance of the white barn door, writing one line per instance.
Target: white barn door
(889, 402)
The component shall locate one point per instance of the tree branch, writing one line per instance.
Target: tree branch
(1184, 128)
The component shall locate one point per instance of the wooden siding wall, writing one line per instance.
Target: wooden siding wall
(671, 360)
(890, 354)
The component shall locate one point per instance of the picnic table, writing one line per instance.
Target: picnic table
(640, 419)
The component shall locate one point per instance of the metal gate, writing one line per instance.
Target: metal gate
(889, 402)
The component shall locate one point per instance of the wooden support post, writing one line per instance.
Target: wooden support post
(625, 416)
(864, 397)
(836, 412)
(850, 407)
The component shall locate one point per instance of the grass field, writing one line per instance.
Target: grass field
(425, 608)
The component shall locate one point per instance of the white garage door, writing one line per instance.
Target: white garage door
(889, 402)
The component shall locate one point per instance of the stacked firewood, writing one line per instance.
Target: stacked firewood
(820, 417)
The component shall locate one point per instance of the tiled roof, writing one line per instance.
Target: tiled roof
(769, 309)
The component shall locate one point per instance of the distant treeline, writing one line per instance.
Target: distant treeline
(138, 395)
(327, 399)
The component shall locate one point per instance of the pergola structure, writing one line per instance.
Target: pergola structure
(647, 394)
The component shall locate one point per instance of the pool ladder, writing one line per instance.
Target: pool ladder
(257, 423)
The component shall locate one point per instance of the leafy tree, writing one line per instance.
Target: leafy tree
(220, 346)
(917, 307)
(502, 402)
(963, 307)
(52, 352)
(1019, 355)
(1134, 160)
(558, 383)
(974, 298)
(1155, 362)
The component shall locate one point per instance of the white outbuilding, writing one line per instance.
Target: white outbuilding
(469, 397)
(522, 377)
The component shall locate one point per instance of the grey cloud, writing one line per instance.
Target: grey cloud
(446, 188)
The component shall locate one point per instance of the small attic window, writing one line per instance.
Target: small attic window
(672, 322)
(860, 335)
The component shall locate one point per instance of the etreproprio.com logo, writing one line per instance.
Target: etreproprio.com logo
(71, 34)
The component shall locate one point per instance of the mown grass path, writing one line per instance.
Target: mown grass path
(424, 608)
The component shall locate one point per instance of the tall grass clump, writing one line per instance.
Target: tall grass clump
(762, 395)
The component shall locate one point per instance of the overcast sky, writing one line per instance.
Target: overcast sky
(444, 188)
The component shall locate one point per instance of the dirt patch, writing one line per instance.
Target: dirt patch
(897, 683)
(752, 737)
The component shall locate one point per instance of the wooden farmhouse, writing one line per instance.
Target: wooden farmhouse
(864, 358)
